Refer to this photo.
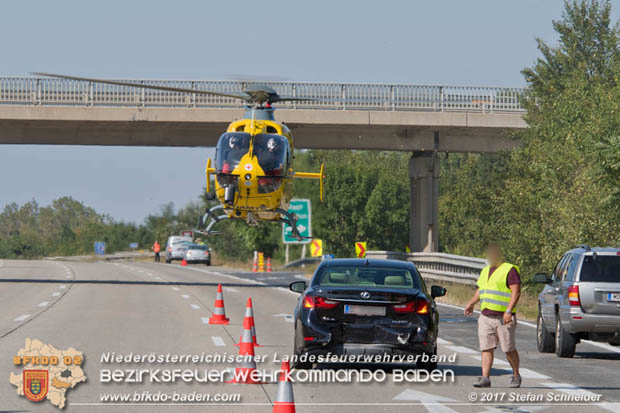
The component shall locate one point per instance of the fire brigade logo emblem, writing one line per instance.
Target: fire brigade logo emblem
(35, 384)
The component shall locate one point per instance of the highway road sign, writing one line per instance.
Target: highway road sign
(99, 248)
(316, 248)
(301, 208)
(360, 249)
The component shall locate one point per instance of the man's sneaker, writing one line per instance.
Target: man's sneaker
(515, 381)
(483, 382)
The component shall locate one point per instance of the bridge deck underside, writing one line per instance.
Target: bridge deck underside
(312, 129)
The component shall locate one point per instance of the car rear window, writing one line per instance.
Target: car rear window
(180, 241)
(368, 277)
(601, 268)
(198, 247)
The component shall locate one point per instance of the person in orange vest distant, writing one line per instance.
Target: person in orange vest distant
(156, 248)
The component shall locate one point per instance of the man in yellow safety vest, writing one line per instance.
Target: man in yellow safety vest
(499, 289)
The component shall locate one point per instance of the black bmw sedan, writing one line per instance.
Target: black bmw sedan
(364, 307)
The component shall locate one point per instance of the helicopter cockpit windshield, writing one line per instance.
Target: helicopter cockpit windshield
(230, 149)
(272, 152)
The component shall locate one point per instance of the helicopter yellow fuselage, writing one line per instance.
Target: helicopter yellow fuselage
(249, 203)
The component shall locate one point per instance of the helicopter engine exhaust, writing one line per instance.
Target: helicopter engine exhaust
(229, 194)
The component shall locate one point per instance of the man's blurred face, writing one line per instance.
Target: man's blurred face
(494, 255)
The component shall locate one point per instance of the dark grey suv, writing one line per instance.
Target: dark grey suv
(581, 300)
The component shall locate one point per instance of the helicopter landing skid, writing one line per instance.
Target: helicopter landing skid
(209, 219)
(291, 220)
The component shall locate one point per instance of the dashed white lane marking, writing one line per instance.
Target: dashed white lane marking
(195, 306)
(287, 317)
(461, 349)
(571, 389)
(56, 294)
(175, 288)
(1, 263)
(218, 341)
(22, 317)
(185, 296)
(532, 325)
(158, 278)
(43, 304)
(531, 374)
(68, 276)
(205, 320)
(63, 286)
(443, 342)
(231, 290)
(496, 361)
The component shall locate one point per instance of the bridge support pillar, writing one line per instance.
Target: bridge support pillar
(424, 176)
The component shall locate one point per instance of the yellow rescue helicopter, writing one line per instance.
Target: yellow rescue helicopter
(252, 169)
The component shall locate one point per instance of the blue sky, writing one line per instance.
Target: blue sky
(456, 42)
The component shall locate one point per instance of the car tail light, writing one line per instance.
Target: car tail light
(418, 306)
(573, 296)
(318, 302)
(308, 301)
(408, 307)
(206, 252)
(422, 307)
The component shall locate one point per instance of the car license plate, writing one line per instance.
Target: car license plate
(613, 297)
(363, 310)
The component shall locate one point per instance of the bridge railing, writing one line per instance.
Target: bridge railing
(330, 96)
(439, 266)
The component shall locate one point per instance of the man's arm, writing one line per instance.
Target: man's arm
(469, 309)
(515, 294)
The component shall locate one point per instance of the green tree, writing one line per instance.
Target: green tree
(560, 188)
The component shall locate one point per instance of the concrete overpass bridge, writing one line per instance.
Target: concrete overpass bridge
(423, 120)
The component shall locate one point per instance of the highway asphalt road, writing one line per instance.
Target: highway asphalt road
(144, 308)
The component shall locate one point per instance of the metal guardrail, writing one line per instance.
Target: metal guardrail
(331, 96)
(439, 266)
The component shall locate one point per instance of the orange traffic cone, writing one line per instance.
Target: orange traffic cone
(268, 264)
(183, 263)
(254, 265)
(245, 369)
(284, 402)
(248, 323)
(219, 313)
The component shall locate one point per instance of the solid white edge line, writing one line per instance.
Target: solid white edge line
(532, 325)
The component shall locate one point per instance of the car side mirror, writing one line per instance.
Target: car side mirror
(437, 291)
(298, 286)
(542, 278)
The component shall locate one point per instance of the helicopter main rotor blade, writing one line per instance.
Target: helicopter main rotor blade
(235, 95)
(293, 98)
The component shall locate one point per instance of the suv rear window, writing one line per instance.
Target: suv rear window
(368, 277)
(601, 268)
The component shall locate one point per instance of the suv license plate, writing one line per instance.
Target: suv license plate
(613, 297)
(363, 310)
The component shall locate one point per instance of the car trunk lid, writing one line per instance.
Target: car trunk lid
(358, 315)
